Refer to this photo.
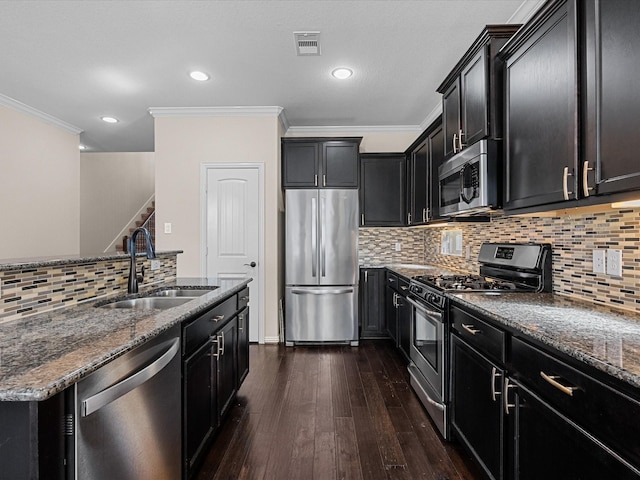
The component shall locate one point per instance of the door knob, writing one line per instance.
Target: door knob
(252, 264)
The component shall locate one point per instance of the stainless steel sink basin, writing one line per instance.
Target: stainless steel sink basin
(181, 292)
(146, 303)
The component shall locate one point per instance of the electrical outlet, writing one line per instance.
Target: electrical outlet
(614, 262)
(598, 261)
(167, 228)
(155, 264)
(468, 252)
(398, 247)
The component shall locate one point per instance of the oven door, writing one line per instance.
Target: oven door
(427, 345)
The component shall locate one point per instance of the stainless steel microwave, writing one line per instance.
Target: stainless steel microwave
(470, 182)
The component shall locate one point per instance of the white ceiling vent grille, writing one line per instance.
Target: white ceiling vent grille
(307, 43)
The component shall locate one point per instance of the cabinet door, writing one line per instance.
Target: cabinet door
(243, 345)
(404, 326)
(451, 118)
(200, 412)
(419, 184)
(436, 157)
(613, 98)
(372, 304)
(547, 445)
(382, 190)
(477, 414)
(340, 164)
(541, 115)
(474, 99)
(300, 164)
(227, 362)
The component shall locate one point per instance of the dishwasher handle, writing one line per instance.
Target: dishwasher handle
(117, 390)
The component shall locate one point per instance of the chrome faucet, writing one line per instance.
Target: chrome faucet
(151, 253)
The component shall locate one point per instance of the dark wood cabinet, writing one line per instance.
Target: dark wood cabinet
(391, 317)
(403, 313)
(320, 162)
(472, 92)
(398, 312)
(372, 303)
(541, 149)
(215, 362)
(383, 189)
(424, 157)
(476, 406)
(611, 70)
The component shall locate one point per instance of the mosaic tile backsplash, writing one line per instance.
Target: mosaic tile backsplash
(36, 290)
(573, 237)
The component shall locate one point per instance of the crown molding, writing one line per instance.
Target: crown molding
(525, 11)
(45, 117)
(157, 112)
(356, 129)
(428, 120)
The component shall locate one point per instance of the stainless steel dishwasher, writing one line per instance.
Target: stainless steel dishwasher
(127, 415)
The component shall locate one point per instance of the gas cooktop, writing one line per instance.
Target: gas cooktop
(463, 282)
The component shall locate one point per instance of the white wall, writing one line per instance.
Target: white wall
(182, 144)
(39, 187)
(113, 188)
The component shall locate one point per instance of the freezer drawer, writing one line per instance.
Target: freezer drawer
(321, 314)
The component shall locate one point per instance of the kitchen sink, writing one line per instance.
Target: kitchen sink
(181, 292)
(146, 303)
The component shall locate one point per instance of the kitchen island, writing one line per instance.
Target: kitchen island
(43, 356)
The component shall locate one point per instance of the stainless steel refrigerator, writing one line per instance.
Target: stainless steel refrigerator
(321, 296)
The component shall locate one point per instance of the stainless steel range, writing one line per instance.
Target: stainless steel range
(503, 266)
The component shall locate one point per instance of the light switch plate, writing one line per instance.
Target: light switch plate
(598, 261)
(614, 262)
(398, 247)
(167, 227)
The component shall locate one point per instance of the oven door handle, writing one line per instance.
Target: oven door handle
(422, 308)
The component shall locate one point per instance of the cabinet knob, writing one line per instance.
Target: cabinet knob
(217, 318)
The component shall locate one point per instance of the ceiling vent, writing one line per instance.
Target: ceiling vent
(307, 43)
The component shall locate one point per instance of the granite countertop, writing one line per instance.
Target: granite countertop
(43, 354)
(37, 262)
(603, 337)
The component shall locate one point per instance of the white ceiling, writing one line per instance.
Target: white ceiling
(79, 60)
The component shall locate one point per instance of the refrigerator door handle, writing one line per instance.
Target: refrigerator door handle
(336, 291)
(323, 256)
(314, 237)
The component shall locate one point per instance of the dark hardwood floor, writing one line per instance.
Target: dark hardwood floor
(331, 413)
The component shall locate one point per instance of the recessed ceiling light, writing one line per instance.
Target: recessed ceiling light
(342, 73)
(200, 76)
(82, 147)
(109, 119)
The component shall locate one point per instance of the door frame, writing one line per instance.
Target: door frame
(204, 169)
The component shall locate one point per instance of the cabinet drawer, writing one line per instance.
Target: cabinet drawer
(197, 331)
(403, 286)
(243, 298)
(610, 416)
(479, 334)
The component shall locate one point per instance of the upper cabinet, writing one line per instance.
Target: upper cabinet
(383, 190)
(541, 151)
(424, 157)
(320, 162)
(612, 101)
(571, 103)
(472, 92)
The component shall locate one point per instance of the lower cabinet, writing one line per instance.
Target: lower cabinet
(372, 303)
(398, 312)
(529, 415)
(215, 362)
(391, 318)
(404, 325)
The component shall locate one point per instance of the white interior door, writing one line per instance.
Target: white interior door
(233, 230)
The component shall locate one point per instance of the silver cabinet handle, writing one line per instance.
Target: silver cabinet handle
(335, 291)
(409, 218)
(585, 178)
(455, 136)
(565, 188)
(315, 180)
(553, 380)
(241, 322)
(395, 300)
(314, 237)
(402, 287)
(366, 276)
(222, 342)
(244, 298)
(424, 215)
(505, 396)
(362, 218)
(460, 144)
(323, 254)
(117, 390)
(217, 318)
(470, 329)
(494, 375)
(324, 180)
